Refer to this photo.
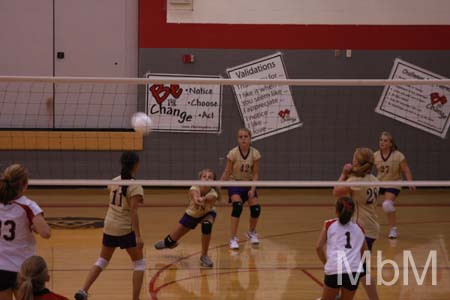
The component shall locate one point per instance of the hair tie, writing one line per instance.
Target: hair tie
(346, 205)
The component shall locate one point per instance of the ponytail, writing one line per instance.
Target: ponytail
(128, 160)
(25, 289)
(345, 207)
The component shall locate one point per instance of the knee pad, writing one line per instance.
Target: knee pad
(388, 206)
(237, 209)
(139, 265)
(101, 263)
(206, 227)
(255, 211)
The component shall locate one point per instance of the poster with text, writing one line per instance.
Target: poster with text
(422, 106)
(265, 109)
(184, 107)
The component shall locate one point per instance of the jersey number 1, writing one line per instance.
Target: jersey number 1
(347, 244)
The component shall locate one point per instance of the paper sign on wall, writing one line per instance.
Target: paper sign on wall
(425, 107)
(265, 109)
(184, 107)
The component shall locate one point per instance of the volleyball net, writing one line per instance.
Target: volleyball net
(71, 131)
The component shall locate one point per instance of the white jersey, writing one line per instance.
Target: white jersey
(17, 241)
(344, 242)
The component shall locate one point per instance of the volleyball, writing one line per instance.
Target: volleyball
(141, 123)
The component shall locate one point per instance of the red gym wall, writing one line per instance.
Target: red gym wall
(156, 33)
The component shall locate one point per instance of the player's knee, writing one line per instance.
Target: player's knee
(388, 206)
(237, 209)
(206, 227)
(255, 210)
(139, 265)
(101, 263)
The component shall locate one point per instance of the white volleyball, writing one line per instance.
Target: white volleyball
(142, 123)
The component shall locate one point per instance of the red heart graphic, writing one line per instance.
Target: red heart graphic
(159, 92)
(282, 113)
(443, 100)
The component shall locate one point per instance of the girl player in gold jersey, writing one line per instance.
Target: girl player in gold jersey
(243, 165)
(121, 227)
(390, 164)
(200, 210)
(365, 199)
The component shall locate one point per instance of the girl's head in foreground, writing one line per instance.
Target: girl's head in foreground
(32, 277)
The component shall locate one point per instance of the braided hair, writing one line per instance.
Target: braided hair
(345, 207)
(12, 183)
(128, 160)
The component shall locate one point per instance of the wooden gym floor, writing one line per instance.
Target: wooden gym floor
(284, 266)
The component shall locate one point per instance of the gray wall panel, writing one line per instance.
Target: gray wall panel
(336, 120)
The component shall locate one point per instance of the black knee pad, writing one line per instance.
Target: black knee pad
(206, 227)
(255, 211)
(237, 209)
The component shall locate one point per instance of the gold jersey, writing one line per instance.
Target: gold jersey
(242, 166)
(118, 217)
(197, 211)
(388, 168)
(365, 199)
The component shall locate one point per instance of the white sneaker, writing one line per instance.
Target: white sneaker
(393, 233)
(206, 262)
(234, 243)
(253, 237)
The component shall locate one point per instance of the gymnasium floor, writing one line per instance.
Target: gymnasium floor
(284, 266)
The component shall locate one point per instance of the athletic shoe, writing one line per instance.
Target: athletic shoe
(81, 295)
(393, 233)
(159, 245)
(205, 261)
(234, 245)
(253, 237)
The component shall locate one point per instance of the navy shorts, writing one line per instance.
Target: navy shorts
(191, 222)
(241, 191)
(370, 242)
(390, 190)
(8, 280)
(332, 281)
(123, 241)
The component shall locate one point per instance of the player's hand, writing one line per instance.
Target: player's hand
(412, 188)
(251, 194)
(33, 228)
(347, 169)
(199, 201)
